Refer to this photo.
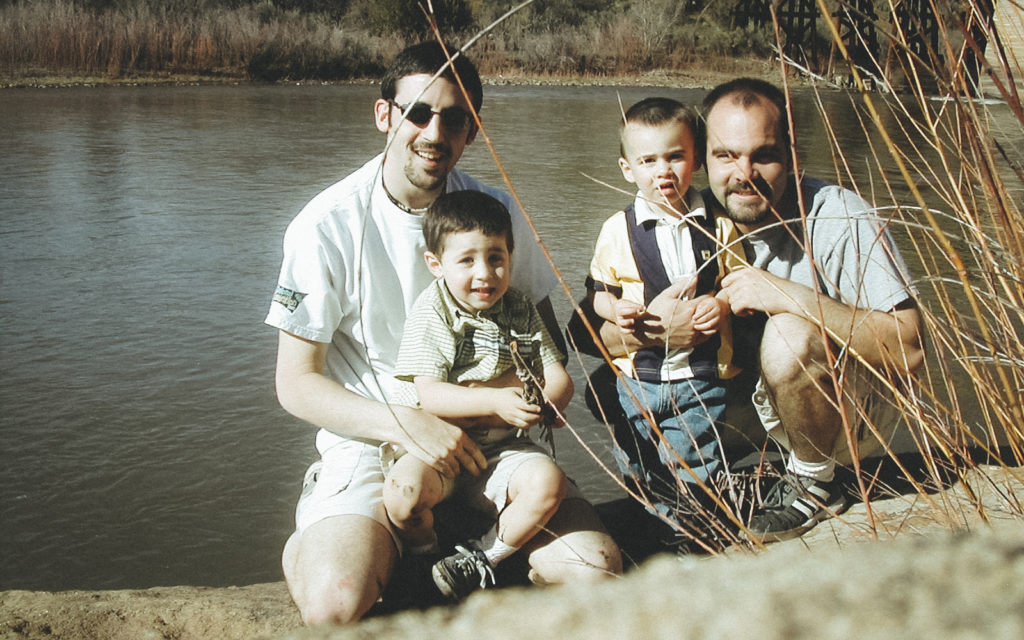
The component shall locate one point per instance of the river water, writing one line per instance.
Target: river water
(141, 232)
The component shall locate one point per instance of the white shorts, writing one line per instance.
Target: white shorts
(347, 480)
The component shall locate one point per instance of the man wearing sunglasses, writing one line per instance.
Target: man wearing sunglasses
(353, 265)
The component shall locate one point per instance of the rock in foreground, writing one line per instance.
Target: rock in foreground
(910, 578)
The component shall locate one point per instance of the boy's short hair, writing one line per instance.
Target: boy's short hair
(427, 57)
(654, 112)
(747, 92)
(461, 211)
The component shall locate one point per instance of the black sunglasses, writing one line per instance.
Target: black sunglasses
(421, 113)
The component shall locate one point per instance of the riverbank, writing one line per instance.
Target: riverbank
(916, 566)
(310, 39)
(695, 78)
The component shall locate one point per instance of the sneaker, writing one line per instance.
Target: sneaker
(462, 573)
(793, 506)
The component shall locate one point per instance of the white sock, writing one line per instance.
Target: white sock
(820, 471)
(494, 548)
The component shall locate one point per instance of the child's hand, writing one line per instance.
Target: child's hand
(510, 406)
(626, 314)
(707, 313)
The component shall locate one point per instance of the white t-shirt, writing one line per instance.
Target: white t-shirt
(353, 265)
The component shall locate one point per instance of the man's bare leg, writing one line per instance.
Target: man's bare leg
(337, 568)
(796, 373)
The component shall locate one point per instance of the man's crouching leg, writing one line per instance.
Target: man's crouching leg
(575, 547)
(336, 569)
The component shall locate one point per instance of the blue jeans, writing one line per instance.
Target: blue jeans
(686, 412)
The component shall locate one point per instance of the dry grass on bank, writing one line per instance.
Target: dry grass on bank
(59, 38)
(259, 42)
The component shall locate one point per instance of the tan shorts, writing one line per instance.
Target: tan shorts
(873, 415)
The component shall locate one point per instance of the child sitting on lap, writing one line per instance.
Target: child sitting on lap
(463, 340)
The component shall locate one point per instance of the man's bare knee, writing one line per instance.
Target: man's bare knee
(338, 603)
(337, 568)
(793, 351)
(574, 548)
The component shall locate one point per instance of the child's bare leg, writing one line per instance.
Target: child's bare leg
(533, 493)
(535, 490)
(411, 491)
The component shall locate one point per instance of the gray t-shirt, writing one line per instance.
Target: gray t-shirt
(851, 258)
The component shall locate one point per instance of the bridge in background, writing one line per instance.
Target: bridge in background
(911, 23)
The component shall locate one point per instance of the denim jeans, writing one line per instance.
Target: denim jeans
(687, 413)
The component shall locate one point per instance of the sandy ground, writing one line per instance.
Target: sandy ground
(256, 611)
(902, 551)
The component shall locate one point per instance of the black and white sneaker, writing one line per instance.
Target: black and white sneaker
(793, 506)
(462, 573)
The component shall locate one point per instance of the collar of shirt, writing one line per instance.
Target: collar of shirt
(646, 211)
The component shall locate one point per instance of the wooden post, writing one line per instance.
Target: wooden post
(856, 21)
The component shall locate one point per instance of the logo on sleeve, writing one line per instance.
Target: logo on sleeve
(287, 298)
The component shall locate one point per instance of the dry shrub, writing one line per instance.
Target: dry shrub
(63, 38)
(945, 160)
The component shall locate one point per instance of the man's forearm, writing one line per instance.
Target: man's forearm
(306, 393)
(324, 403)
(891, 341)
(620, 344)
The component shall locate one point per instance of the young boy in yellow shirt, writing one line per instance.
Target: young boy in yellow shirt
(664, 238)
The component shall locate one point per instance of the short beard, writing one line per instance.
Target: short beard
(750, 215)
(747, 215)
(423, 180)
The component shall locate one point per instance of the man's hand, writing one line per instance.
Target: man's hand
(669, 317)
(441, 445)
(750, 290)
